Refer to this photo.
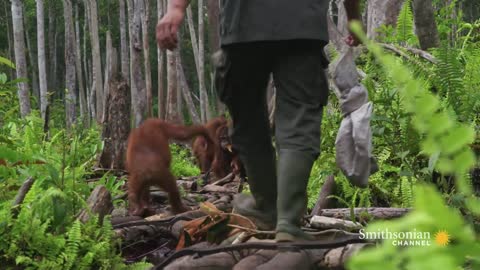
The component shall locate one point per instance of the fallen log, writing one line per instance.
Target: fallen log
(22, 192)
(323, 223)
(99, 202)
(365, 214)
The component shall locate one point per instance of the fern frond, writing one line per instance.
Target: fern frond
(404, 31)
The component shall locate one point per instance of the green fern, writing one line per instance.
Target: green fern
(404, 30)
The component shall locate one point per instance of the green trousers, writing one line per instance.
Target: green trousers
(243, 73)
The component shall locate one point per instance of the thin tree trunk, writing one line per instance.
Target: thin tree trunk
(186, 92)
(382, 12)
(201, 64)
(9, 36)
(181, 117)
(96, 60)
(172, 113)
(78, 67)
(193, 37)
(52, 57)
(123, 42)
(42, 67)
(138, 84)
(20, 59)
(146, 56)
(70, 80)
(108, 67)
(33, 64)
(214, 26)
(161, 67)
(87, 64)
(425, 25)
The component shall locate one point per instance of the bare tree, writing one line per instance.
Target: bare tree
(160, 62)
(87, 63)
(213, 10)
(172, 113)
(70, 79)
(78, 66)
(381, 12)
(185, 91)
(42, 67)
(425, 25)
(9, 35)
(123, 42)
(20, 59)
(204, 104)
(33, 63)
(97, 84)
(145, 16)
(52, 48)
(138, 94)
(108, 66)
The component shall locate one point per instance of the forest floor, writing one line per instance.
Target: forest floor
(211, 237)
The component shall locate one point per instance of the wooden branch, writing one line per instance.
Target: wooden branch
(226, 179)
(365, 213)
(22, 192)
(323, 223)
(397, 50)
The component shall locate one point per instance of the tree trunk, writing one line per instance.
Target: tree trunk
(96, 60)
(115, 131)
(32, 67)
(52, 57)
(20, 59)
(214, 26)
(205, 109)
(145, 15)
(78, 67)
(137, 80)
(186, 92)
(172, 113)
(87, 66)
(9, 37)
(179, 90)
(425, 25)
(123, 42)
(109, 55)
(70, 80)
(381, 12)
(161, 65)
(42, 67)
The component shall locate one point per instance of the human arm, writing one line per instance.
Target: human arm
(168, 26)
(353, 13)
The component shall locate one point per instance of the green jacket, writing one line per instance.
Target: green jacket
(270, 20)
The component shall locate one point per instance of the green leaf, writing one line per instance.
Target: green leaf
(3, 78)
(6, 62)
(439, 123)
(457, 138)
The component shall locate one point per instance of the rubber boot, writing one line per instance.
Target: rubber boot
(293, 173)
(260, 206)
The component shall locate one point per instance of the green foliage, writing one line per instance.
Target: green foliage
(405, 33)
(43, 233)
(448, 140)
(182, 162)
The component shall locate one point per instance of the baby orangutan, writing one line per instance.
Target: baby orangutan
(148, 162)
(219, 158)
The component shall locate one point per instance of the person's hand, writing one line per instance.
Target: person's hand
(352, 40)
(167, 28)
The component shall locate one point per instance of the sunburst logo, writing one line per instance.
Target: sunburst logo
(442, 238)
